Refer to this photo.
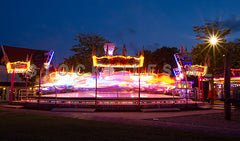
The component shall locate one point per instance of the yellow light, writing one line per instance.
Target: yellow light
(213, 40)
(18, 67)
(197, 70)
(140, 59)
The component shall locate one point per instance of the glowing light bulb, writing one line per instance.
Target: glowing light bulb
(213, 40)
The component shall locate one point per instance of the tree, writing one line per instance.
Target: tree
(32, 81)
(160, 57)
(236, 57)
(83, 50)
(205, 53)
(147, 60)
(212, 55)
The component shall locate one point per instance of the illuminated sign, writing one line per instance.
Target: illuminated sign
(118, 61)
(18, 67)
(195, 70)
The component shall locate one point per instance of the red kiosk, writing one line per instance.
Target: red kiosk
(16, 67)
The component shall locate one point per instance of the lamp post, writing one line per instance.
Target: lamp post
(227, 87)
(227, 76)
(213, 42)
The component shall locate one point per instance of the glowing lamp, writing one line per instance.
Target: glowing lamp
(213, 40)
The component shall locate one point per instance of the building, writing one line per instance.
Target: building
(15, 54)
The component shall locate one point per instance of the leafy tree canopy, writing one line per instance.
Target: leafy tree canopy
(160, 57)
(83, 50)
(213, 55)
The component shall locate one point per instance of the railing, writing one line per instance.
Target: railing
(24, 95)
(109, 96)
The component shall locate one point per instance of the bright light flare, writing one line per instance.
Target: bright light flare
(213, 40)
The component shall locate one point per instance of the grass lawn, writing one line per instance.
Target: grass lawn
(43, 127)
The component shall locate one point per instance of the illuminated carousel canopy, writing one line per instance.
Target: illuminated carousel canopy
(116, 61)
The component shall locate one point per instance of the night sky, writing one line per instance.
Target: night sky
(52, 24)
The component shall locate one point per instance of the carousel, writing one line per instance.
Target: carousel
(115, 82)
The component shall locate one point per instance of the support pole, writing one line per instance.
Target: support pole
(139, 89)
(212, 87)
(55, 94)
(199, 88)
(26, 95)
(202, 88)
(96, 75)
(39, 88)
(186, 92)
(227, 75)
(12, 86)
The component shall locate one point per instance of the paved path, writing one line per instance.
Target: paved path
(208, 121)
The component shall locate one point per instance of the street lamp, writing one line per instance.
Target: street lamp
(227, 84)
(214, 41)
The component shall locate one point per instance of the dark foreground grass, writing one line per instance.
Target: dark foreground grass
(42, 127)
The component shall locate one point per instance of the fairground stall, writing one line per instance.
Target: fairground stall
(219, 84)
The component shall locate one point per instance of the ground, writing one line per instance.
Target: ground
(26, 124)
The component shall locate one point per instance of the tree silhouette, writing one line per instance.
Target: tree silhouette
(83, 50)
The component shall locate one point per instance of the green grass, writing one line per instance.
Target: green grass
(42, 127)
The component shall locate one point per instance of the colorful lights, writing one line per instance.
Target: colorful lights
(113, 102)
(49, 59)
(109, 79)
(196, 70)
(220, 80)
(118, 61)
(178, 72)
(109, 48)
(62, 78)
(149, 82)
(18, 67)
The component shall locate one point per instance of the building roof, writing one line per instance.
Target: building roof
(14, 54)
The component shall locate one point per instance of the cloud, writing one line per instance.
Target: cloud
(122, 34)
(153, 46)
(233, 23)
(131, 30)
